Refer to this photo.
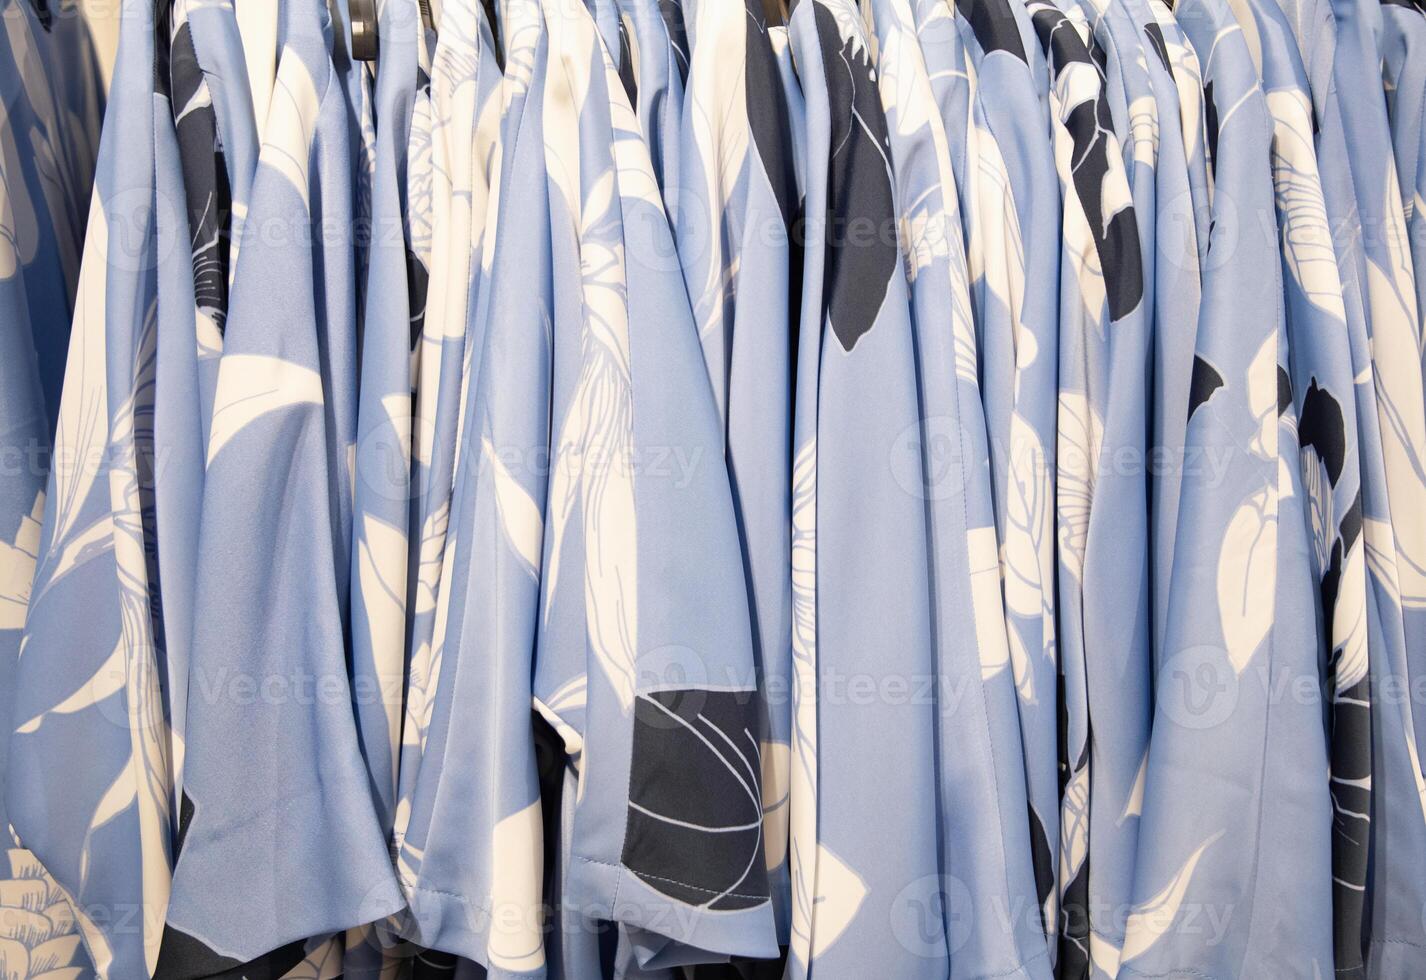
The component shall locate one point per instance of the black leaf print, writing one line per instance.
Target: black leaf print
(1284, 391)
(1074, 928)
(1350, 753)
(994, 27)
(1351, 527)
(185, 957)
(207, 194)
(1331, 584)
(767, 113)
(1155, 34)
(694, 829)
(1043, 861)
(1322, 428)
(1210, 119)
(861, 242)
(185, 819)
(740, 969)
(418, 281)
(432, 964)
(1205, 381)
(1091, 125)
(1351, 765)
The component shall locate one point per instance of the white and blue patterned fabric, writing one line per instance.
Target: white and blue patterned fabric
(712, 490)
(53, 99)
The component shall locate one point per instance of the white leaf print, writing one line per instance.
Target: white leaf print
(148, 729)
(1416, 765)
(1396, 357)
(82, 429)
(570, 698)
(776, 790)
(1026, 554)
(851, 28)
(715, 105)
(420, 187)
(1020, 667)
(1380, 545)
(423, 677)
(923, 240)
(291, 123)
(17, 567)
(524, 527)
(1080, 442)
(1104, 953)
(19, 229)
(1320, 514)
(901, 97)
(398, 415)
(252, 385)
(837, 896)
(566, 87)
(381, 569)
(596, 436)
(802, 797)
(515, 942)
(1262, 398)
(120, 795)
(1247, 576)
(1074, 825)
(1153, 918)
(1000, 258)
(606, 481)
(1144, 130)
(1135, 806)
(209, 338)
(432, 557)
(1307, 236)
(1349, 620)
(105, 682)
(989, 614)
(564, 489)
(257, 27)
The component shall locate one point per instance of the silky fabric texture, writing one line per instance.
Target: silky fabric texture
(668, 489)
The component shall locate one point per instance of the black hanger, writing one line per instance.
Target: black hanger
(774, 13)
(364, 33)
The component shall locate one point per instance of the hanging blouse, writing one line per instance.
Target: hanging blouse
(49, 130)
(1394, 539)
(470, 823)
(1241, 607)
(272, 594)
(645, 652)
(1403, 51)
(1101, 315)
(89, 673)
(1014, 248)
(735, 215)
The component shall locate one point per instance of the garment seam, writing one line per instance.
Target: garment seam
(625, 869)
